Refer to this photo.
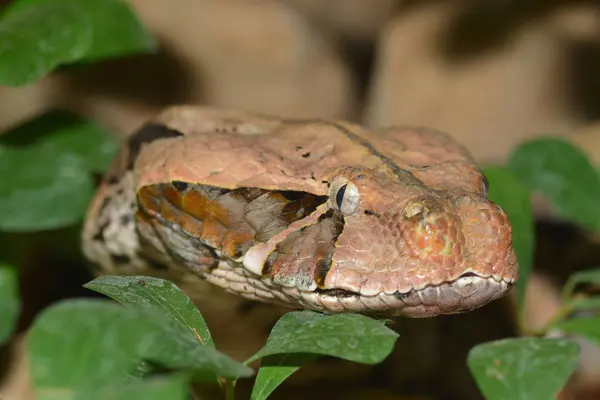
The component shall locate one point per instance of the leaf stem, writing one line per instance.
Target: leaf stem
(230, 389)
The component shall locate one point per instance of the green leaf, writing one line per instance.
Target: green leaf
(141, 292)
(190, 343)
(588, 327)
(10, 305)
(78, 345)
(185, 354)
(169, 387)
(275, 369)
(564, 174)
(524, 368)
(47, 165)
(142, 370)
(116, 31)
(509, 193)
(35, 40)
(110, 340)
(42, 191)
(67, 133)
(36, 36)
(301, 336)
(580, 277)
(349, 336)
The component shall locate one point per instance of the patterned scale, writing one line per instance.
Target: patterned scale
(198, 224)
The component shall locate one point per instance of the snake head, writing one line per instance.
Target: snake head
(313, 214)
(403, 248)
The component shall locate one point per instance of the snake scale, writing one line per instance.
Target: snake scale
(315, 214)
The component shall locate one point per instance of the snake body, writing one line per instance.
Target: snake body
(316, 214)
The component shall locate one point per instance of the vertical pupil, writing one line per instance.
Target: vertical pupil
(339, 197)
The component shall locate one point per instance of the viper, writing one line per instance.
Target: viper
(316, 214)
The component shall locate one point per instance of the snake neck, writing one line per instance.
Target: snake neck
(110, 242)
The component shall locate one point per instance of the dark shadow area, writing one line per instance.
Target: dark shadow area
(584, 65)
(158, 79)
(485, 26)
(479, 28)
(563, 248)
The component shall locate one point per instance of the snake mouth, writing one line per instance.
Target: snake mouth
(466, 293)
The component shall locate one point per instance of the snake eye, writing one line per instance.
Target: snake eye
(344, 197)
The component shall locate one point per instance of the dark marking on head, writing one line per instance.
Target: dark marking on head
(340, 293)
(323, 261)
(329, 214)
(112, 179)
(402, 296)
(266, 271)
(298, 148)
(250, 193)
(306, 155)
(401, 173)
(120, 259)
(105, 203)
(212, 253)
(126, 219)
(300, 204)
(147, 134)
(293, 195)
(179, 185)
(214, 191)
(240, 249)
(371, 212)
(99, 235)
(322, 267)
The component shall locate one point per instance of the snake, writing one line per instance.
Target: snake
(316, 214)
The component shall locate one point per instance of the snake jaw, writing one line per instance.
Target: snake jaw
(468, 292)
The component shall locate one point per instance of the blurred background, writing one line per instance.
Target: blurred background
(491, 73)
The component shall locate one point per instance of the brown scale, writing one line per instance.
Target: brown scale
(324, 252)
(319, 239)
(264, 214)
(300, 204)
(149, 200)
(436, 239)
(230, 220)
